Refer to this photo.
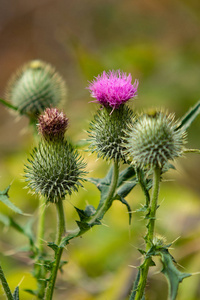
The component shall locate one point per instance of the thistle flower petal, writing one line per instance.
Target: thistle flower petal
(113, 89)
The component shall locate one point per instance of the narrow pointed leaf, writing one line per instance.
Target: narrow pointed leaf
(126, 188)
(189, 117)
(16, 293)
(173, 275)
(123, 201)
(53, 246)
(4, 199)
(126, 175)
(7, 104)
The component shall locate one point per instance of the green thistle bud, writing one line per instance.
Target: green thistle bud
(108, 130)
(34, 87)
(154, 139)
(54, 170)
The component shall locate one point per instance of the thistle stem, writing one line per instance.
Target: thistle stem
(41, 220)
(108, 202)
(8, 104)
(40, 271)
(58, 251)
(138, 292)
(60, 221)
(5, 285)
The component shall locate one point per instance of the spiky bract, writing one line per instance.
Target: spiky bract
(34, 87)
(54, 170)
(108, 130)
(153, 140)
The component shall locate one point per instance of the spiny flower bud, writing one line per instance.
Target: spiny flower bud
(154, 139)
(54, 170)
(113, 89)
(107, 132)
(52, 124)
(34, 87)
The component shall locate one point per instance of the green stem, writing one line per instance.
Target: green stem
(144, 268)
(41, 219)
(60, 221)
(59, 250)
(108, 202)
(8, 104)
(5, 285)
(40, 271)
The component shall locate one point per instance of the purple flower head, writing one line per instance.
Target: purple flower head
(113, 88)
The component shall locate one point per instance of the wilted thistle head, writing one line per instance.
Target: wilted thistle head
(108, 131)
(34, 87)
(154, 139)
(52, 124)
(113, 89)
(55, 167)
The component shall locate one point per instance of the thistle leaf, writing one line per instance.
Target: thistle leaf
(189, 117)
(53, 246)
(173, 275)
(4, 199)
(123, 201)
(25, 230)
(126, 188)
(16, 293)
(126, 175)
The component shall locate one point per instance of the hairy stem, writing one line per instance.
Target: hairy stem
(5, 285)
(40, 271)
(59, 250)
(106, 205)
(138, 291)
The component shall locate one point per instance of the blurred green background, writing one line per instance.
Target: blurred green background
(158, 43)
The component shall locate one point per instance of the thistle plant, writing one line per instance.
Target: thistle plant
(141, 148)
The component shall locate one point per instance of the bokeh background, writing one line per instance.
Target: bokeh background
(158, 43)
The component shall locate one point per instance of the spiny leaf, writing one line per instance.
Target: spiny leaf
(4, 199)
(53, 246)
(101, 182)
(26, 229)
(16, 293)
(85, 214)
(126, 187)
(126, 175)
(123, 201)
(189, 117)
(83, 226)
(62, 263)
(173, 275)
(32, 292)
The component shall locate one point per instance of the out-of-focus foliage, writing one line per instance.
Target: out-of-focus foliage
(158, 42)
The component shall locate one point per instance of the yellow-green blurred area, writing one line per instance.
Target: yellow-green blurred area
(158, 43)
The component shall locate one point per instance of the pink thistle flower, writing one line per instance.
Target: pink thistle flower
(113, 88)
